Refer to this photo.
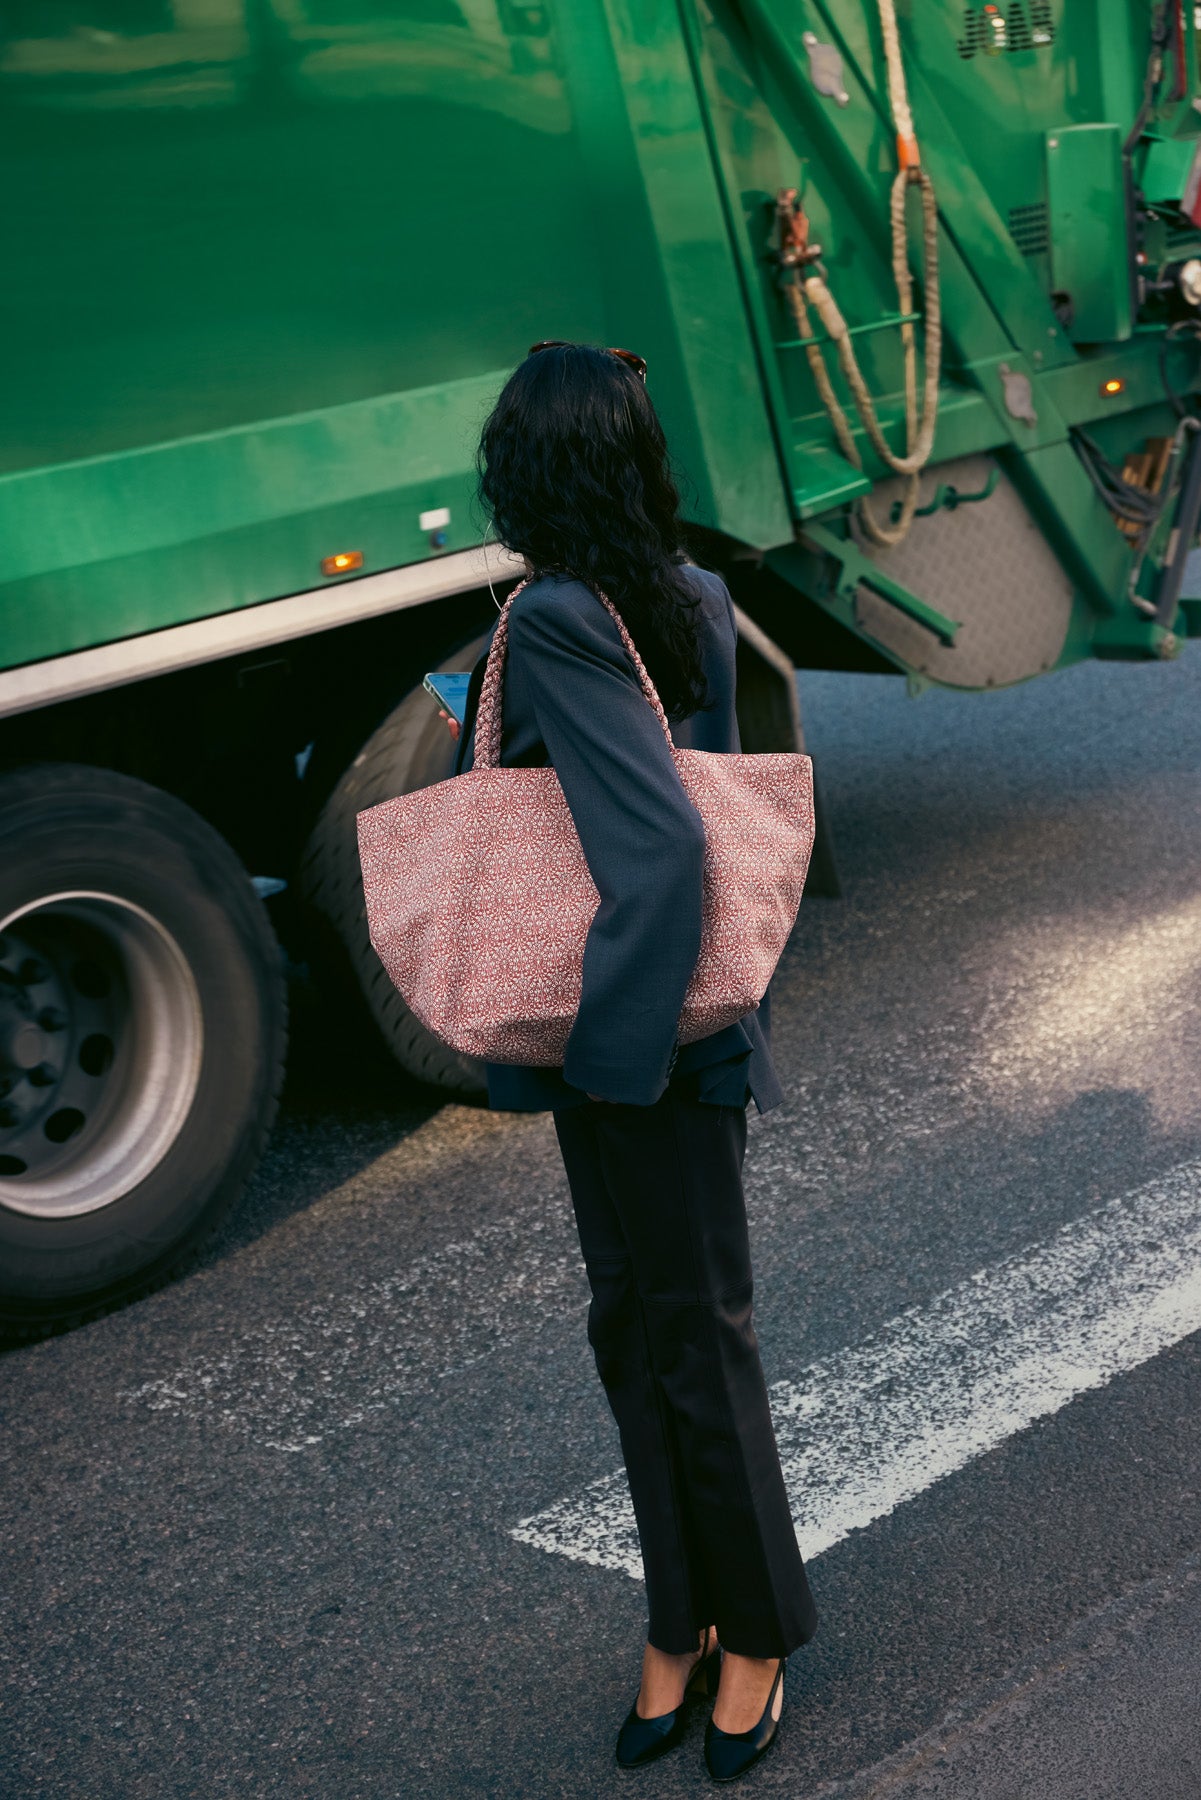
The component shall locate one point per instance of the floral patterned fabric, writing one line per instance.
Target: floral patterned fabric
(479, 897)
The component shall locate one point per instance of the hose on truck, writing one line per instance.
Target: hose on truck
(811, 290)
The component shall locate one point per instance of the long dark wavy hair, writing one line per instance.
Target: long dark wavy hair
(574, 469)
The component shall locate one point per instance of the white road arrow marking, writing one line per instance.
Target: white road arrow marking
(870, 1427)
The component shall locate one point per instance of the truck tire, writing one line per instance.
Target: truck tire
(411, 749)
(142, 1036)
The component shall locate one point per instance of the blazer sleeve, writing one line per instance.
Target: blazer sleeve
(642, 838)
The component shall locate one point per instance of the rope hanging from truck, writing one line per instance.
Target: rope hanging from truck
(811, 290)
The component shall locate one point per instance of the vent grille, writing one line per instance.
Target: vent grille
(994, 32)
(1028, 228)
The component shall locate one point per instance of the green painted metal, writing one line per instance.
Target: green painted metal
(856, 570)
(232, 518)
(1166, 168)
(820, 473)
(947, 497)
(1086, 212)
(269, 266)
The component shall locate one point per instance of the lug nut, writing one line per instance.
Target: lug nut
(52, 1018)
(43, 1075)
(31, 971)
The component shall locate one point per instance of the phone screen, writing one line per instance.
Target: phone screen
(449, 688)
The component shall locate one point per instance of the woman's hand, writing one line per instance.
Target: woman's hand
(453, 723)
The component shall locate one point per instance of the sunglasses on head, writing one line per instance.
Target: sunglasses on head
(636, 362)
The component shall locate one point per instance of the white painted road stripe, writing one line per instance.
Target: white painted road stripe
(870, 1427)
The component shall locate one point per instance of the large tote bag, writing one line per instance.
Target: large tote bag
(479, 897)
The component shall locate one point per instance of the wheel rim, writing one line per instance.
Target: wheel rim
(101, 1035)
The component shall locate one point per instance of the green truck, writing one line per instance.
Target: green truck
(267, 263)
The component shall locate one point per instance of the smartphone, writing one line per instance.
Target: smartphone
(449, 689)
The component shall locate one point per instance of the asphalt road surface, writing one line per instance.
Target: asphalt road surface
(337, 1514)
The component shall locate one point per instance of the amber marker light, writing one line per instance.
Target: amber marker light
(1111, 387)
(343, 563)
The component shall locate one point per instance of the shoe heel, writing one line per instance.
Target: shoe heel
(705, 1676)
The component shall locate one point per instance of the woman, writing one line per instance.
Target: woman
(574, 470)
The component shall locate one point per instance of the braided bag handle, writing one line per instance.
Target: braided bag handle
(488, 715)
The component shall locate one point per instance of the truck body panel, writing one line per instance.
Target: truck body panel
(276, 258)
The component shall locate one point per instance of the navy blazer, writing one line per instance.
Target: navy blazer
(572, 699)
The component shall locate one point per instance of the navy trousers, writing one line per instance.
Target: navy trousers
(657, 1192)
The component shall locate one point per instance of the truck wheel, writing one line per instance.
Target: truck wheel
(142, 1033)
(411, 749)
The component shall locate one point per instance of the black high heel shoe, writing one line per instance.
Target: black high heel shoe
(641, 1741)
(729, 1754)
